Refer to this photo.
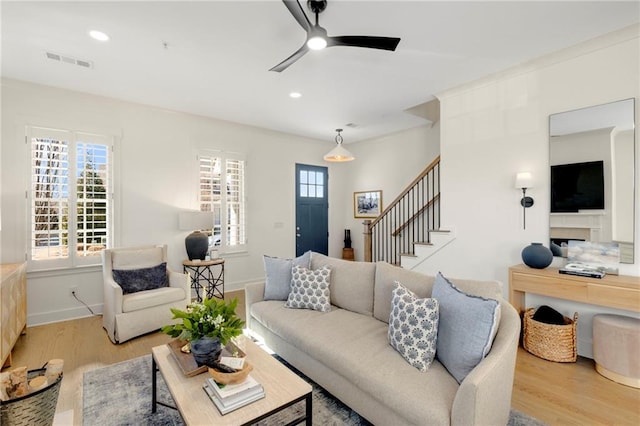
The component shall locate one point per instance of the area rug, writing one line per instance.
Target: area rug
(120, 394)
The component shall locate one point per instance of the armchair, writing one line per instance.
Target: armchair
(130, 314)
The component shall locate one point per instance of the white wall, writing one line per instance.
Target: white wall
(389, 164)
(496, 127)
(156, 159)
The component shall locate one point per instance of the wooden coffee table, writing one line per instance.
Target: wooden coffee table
(282, 387)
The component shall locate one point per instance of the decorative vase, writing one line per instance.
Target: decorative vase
(347, 238)
(197, 245)
(537, 256)
(206, 350)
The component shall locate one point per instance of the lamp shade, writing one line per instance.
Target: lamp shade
(191, 220)
(524, 180)
(339, 154)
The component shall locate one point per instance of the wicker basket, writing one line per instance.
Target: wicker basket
(550, 341)
(36, 408)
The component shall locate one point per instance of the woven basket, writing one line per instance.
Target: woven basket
(36, 408)
(550, 341)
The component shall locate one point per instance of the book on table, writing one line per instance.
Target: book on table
(231, 397)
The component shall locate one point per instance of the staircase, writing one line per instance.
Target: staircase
(408, 231)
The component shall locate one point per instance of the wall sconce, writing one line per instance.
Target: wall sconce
(524, 180)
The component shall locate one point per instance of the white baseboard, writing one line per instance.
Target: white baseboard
(62, 315)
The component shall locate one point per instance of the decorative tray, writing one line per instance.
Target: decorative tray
(188, 364)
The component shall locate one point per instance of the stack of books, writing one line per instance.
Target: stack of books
(231, 397)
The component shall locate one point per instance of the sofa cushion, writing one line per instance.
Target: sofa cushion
(278, 275)
(385, 277)
(351, 282)
(467, 327)
(360, 352)
(309, 289)
(150, 298)
(134, 280)
(413, 327)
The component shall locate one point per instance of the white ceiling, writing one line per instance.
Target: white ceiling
(218, 54)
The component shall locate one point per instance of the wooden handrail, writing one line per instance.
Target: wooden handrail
(430, 167)
(418, 213)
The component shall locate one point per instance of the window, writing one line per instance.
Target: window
(311, 184)
(70, 197)
(222, 192)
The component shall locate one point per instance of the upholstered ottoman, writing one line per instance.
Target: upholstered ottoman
(616, 348)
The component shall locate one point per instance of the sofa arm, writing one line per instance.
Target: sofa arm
(484, 396)
(253, 293)
(179, 280)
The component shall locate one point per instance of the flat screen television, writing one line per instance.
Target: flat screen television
(577, 186)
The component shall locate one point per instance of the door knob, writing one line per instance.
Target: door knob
(297, 235)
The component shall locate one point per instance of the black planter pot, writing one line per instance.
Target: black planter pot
(206, 351)
(197, 245)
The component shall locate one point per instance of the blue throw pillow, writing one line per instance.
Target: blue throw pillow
(277, 271)
(135, 280)
(466, 328)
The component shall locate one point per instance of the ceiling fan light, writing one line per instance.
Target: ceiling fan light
(316, 43)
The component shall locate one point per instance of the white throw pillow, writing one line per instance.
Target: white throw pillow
(413, 327)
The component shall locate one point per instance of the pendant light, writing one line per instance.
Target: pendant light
(339, 154)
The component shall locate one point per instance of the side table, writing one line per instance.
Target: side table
(207, 277)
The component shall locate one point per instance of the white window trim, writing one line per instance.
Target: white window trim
(57, 265)
(227, 155)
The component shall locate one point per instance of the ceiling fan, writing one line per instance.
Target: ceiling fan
(317, 37)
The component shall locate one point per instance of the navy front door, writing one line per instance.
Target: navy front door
(312, 209)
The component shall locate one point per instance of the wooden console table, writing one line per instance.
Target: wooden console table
(614, 291)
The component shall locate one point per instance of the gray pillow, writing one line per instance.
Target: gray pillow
(135, 280)
(310, 289)
(413, 327)
(467, 327)
(278, 275)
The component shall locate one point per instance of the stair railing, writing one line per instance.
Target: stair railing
(407, 220)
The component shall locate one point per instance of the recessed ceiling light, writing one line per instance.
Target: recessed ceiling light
(295, 95)
(98, 35)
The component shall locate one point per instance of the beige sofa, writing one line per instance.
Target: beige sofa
(347, 351)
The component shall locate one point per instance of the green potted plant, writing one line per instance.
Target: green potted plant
(207, 326)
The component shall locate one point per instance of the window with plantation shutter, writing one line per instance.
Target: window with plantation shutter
(70, 197)
(221, 192)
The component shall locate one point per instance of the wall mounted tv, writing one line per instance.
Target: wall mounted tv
(577, 186)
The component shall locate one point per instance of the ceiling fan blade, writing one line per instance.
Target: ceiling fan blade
(372, 42)
(298, 13)
(291, 59)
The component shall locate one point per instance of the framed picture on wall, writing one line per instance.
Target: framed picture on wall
(367, 204)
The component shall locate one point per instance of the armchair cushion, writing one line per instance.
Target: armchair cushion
(135, 280)
(149, 299)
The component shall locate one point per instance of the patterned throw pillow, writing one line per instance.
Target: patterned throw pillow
(413, 327)
(135, 280)
(309, 289)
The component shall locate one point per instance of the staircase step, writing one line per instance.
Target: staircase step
(444, 231)
(408, 255)
(422, 243)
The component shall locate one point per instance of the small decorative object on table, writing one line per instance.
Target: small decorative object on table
(537, 256)
(207, 327)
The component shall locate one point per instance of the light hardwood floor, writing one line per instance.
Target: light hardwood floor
(556, 393)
